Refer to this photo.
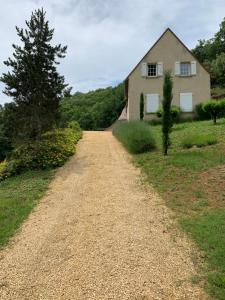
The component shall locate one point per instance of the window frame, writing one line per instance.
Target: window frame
(156, 70)
(188, 63)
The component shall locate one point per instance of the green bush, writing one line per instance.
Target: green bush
(201, 114)
(198, 141)
(74, 125)
(175, 113)
(53, 150)
(136, 136)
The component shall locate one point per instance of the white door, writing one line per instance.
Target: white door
(186, 102)
(152, 103)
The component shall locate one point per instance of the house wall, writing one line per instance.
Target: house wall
(168, 50)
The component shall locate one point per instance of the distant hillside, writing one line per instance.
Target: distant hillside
(93, 110)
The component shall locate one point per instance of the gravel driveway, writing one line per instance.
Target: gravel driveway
(98, 234)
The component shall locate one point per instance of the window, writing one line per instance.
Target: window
(186, 102)
(152, 101)
(152, 70)
(185, 69)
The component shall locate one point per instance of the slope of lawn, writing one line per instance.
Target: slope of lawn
(192, 183)
(18, 196)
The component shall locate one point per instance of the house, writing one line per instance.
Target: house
(191, 81)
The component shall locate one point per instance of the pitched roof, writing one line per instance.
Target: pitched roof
(168, 29)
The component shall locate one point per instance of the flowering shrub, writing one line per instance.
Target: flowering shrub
(52, 150)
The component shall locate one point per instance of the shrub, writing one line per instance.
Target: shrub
(141, 106)
(167, 121)
(201, 114)
(215, 108)
(175, 113)
(74, 125)
(53, 149)
(198, 141)
(135, 136)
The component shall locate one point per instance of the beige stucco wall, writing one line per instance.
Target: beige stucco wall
(168, 50)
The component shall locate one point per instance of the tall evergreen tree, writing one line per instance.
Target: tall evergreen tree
(167, 121)
(141, 106)
(33, 81)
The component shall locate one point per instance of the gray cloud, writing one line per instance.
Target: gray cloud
(106, 38)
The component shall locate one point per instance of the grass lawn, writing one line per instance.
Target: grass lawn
(18, 196)
(218, 91)
(192, 183)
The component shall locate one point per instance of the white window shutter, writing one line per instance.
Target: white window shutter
(177, 68)
(152, 103)
(186, 102)
(144, 69)
(160, 68)
(193, 68)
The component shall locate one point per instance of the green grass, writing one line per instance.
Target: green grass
(18, 196)
(218, 91)
(191, 181)
(135, 136)
(198, 141)
(208, 230)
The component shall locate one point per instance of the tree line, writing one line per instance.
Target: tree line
(211, 53)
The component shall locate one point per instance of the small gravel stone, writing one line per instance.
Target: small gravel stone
(98, 234)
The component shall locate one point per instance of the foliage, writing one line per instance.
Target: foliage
(5, 137)
(93, 110)
(214, 108)
(199, 140)
(199, 199)
(135, 136)
(201, 114)
(209, 52)
(67, 92)
(218, 69)
(141, 106)
(74, 125)
(34, 83)
(175, 113)
(52, 150)
(167, 122)
(5, 144)
(18, 196)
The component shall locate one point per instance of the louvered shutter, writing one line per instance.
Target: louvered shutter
(160, 69)
(177, 68)
(144, 69)
(193, 68)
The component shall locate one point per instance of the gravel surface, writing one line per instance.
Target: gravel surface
(98, 234)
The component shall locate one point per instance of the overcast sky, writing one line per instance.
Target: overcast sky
(106, 38)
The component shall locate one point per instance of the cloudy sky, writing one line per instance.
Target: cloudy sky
(106, 38)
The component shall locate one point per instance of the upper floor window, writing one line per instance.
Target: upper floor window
(185, 69)
(152, 70)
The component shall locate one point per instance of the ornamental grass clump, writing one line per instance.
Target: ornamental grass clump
(136, 136)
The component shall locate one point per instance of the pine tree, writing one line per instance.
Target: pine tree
(167, 121)
(141, 106)
(33, 81)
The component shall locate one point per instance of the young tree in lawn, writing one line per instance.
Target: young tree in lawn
(141, 106)
(167, 121)
(215, 108)
(33, 81)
